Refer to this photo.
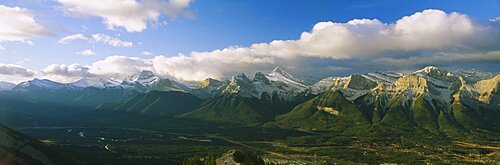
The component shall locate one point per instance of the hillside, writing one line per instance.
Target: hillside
(159, 103)
(233, 108)
(427, 101)
(16, 148)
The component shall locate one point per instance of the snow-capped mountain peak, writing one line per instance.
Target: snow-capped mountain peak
(95, 82)
(277, 83)
(429, 69)
(328, 83)
(383, 77)
(147, 81)
(473, 75)
(209, 88)
(145, 77)
(433, 72)
(280, 70)
(44, 84)
(4, 86)
(143, 82)
(281, 75)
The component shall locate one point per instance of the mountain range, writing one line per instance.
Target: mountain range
(125, 87)
(371, 113)
(428, 100)
(277, 81)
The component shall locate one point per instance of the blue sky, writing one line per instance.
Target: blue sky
(204, 26)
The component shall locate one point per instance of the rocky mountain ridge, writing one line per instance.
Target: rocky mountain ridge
(277, 82)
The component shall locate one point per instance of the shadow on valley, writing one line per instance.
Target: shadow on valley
(429, 116)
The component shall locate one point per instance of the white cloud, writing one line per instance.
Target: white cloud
(497, 19)
(97, 38)
(130, 14)
(19, 25)
(424, 37)
(86, 52)
(111, 66)
(359, 38)
(66, 73)
(147, 53)
(180, 67)
(215, 64)
(15, 70)
(73, 70)
(120, 65)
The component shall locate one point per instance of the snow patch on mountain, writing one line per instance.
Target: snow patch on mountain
(433, 71)
(146, 78)
(473, 75)
(148, 81)
(311, 80)
(329, 83)
(280, 75)
(143, 82)
(432, 82)
(5, 86)
(44, 84)
(208, 88)
(387, 78)
(277, 83)
(95, 82)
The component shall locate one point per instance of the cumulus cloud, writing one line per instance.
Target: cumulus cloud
(73, 70)
(15, 70)
(97, 38)
(19, 25)
(422, 38)
(66, 73)
(111, 66)
(86, 52)
(188, 68)
(120, 65)
(359, 38)
(130, 14)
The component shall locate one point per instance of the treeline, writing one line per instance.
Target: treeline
(200, 160)
(242, 157)
(248, 158)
